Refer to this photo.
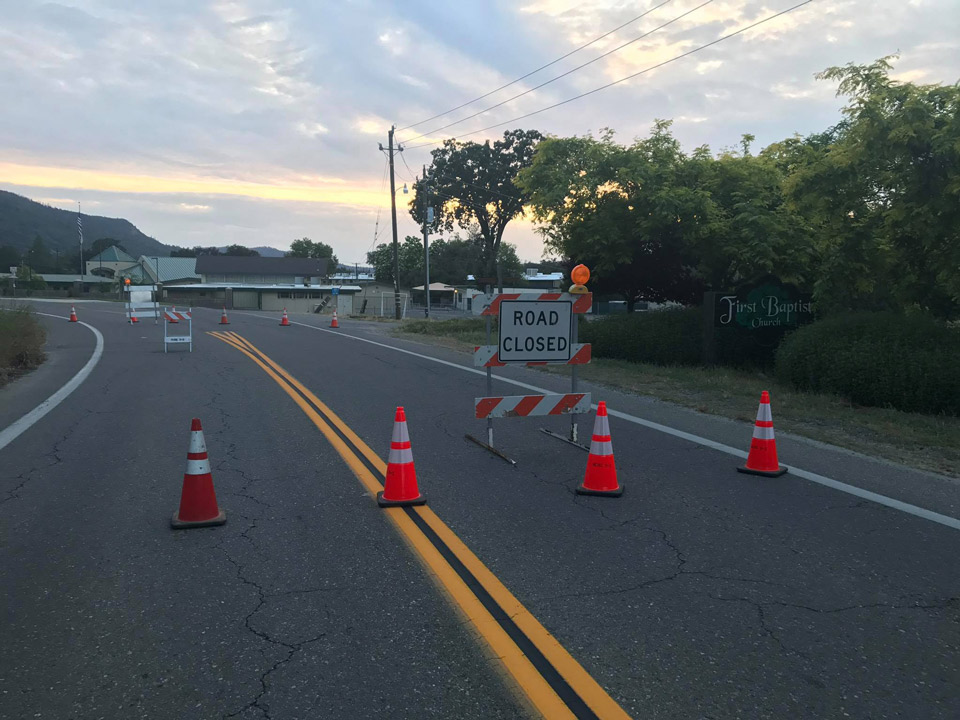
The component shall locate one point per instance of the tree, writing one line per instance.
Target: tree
(195, 251)
(240, 251)
(102, 244)
(626, 212)
(882, 190)
(39, 258)
(451, 261)
(307, 248)
(471, 184)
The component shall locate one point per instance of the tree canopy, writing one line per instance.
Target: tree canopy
(866, 214)
(307, 248)
(471, 185)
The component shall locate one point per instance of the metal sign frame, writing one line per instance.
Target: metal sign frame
(177, 316)
(574, 403)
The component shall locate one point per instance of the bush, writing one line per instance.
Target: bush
(661, 337)
(21, 342)
(908, 362)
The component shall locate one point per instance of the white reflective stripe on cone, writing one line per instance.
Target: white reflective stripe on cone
(604, 422)
(401, 457)
(197, 445)
(762, 433)
(400, 432)
(198, 467)
(601, 448)
(764, 414)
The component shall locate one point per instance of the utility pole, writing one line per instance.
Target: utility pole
(393, 217)
(426, 243)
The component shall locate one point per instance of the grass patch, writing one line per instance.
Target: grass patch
(21, 343)
(928, 442)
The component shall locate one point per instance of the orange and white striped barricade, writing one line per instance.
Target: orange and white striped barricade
(177, 316)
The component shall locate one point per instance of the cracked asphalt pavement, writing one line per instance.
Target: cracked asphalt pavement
(701, 593)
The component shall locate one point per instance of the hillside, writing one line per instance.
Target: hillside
(22, 219)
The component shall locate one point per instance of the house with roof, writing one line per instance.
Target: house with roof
(264, 283)
(109, 262)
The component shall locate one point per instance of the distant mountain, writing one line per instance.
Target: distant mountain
(22, 219)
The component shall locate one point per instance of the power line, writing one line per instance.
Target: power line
(628, 77)
(563, 75)
(542, 67)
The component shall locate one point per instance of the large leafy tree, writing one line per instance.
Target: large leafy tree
(471, 184)
(39, 257)
(882, 190)
(240, 251)
(307, 248)
(623, 211)
(451, 261)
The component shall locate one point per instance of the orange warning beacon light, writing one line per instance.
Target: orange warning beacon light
(580, 275)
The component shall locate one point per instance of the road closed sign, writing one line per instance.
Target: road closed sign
(534, 331)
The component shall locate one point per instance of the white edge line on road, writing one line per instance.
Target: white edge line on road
(920, 512)
(18, 427)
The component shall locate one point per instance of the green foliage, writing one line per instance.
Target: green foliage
(450, 260)
(21, 342)
(240, 251)
(653, 223)
(885, 359)
(664, 337)
(307, 248)
(468, 330)
(882, 192)
(29, 279)
(472, 184)
(39, 258)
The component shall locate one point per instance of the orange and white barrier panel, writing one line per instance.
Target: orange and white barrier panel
(531, 405)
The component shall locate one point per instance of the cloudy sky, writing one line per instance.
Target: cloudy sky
(256, 122)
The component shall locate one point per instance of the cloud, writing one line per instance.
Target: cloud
(270, 112)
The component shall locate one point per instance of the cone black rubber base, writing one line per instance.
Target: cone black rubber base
(178, 524)
(763, 473)
(419, 500)
(581, 490)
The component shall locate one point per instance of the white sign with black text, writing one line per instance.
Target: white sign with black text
(534, 331)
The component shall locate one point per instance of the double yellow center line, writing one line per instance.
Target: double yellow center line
(555, 683)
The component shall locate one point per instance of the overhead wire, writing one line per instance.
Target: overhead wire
(563, 75)
(542, 67)
(624, 79)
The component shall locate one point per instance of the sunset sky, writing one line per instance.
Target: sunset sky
(210, 123)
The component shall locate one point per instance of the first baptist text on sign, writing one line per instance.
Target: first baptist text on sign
(534, 331)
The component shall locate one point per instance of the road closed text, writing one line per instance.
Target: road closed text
(534, 331)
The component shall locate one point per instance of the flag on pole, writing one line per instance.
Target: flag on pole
(80, 232)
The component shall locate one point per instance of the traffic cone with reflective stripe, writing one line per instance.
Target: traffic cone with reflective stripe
(73, 314)
(334, 323)
(400, 487)
(762, 459)
(601, 475)
(173, 315)
(284, 321)
(198, 501)
(223, 318)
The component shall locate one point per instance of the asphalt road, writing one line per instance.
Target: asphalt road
(701, 593)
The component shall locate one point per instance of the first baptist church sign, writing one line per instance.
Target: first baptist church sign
(767, 303)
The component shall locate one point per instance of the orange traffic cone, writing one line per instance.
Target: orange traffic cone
(284, 321)
(762, 459)
(133, 317)
(198, 501)
(223, 318)
(401, 485)
(73, 314)
(334, 323)
(601, 475)
(173, 315)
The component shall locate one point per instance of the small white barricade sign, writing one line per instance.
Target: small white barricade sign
(537, 331)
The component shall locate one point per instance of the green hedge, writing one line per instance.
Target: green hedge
(908, 362)
(662, 337)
